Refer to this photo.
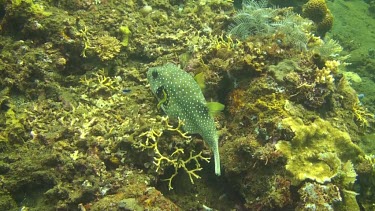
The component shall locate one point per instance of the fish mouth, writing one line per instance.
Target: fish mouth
(162, 95)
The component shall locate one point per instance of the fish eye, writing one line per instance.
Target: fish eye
(155, 74)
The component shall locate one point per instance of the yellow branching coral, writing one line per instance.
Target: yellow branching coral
(219, 42)
(325, 75)
(361, 115)
(174, 159)
(83, 33)
(101, 84)
(332, 65)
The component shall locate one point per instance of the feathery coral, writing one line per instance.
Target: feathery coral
(256, 18)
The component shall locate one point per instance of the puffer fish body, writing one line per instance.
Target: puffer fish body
(181, 97)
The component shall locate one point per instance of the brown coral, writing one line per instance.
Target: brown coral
(315, 10)
(326, 24)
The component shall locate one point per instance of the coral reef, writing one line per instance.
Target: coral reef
(81, 129)
(260, 188)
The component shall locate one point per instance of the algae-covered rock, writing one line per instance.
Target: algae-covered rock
(318, 197)
(317, 151)
(283, 68)
(6, 201)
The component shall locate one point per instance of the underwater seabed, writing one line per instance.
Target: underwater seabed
(82, 130)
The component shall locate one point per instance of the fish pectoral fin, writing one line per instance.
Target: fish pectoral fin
(214, 108)
(199, 78)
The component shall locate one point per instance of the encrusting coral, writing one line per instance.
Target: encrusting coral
(317, 151)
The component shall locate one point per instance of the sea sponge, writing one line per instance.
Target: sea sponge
(315, 10)
(326, 24)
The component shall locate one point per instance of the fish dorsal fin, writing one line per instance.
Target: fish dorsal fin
(214, 108)
(199, 78)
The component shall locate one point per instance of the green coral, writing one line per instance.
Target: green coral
(317, 151)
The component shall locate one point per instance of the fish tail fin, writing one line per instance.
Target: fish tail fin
(217, 159)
